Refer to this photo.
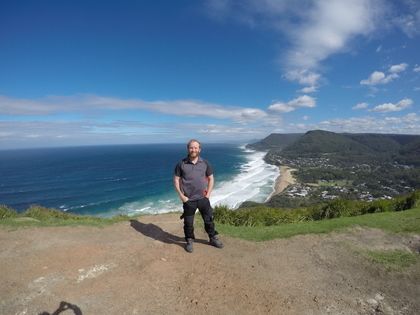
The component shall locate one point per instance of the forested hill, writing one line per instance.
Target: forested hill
(401, 148)
(275, 141)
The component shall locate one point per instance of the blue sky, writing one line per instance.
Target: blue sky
(103, 72)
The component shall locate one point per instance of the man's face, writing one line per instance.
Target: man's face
(194, 150)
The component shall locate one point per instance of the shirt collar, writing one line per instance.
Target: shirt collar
(187, 160)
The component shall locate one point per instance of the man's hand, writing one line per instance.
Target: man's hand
(177, 185)
(184, 199)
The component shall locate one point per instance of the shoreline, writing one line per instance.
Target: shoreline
(285, 179)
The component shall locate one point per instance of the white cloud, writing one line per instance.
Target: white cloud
(378, 77)
(308, 89)
(89, 103)
(304, 77)
(305, 117)
(226, 131)
(416, 68)
(360, 106)
(327, 29)
(398, 68)
(301, 101)
(390, 107)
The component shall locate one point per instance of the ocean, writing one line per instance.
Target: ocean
(126, 179)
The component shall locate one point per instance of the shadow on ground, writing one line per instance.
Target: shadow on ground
(63, 307)
(157, 233)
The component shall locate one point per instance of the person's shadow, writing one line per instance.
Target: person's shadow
(153, 231)
(64, 306)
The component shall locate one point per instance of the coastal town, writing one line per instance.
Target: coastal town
(312, 178)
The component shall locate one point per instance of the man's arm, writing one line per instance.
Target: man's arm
(210, 185)
(178, 189)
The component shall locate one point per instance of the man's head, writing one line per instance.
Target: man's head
(194, 148)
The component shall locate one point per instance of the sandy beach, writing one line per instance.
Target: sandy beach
(285, 179)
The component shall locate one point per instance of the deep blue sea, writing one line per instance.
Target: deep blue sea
(125, 179)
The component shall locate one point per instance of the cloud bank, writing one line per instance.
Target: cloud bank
(87, 103)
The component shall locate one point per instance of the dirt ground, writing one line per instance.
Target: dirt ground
(140, 267)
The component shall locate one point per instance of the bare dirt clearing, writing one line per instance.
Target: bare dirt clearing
(140, 267)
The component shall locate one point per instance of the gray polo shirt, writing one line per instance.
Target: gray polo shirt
(194, 179)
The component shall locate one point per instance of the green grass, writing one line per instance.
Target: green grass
(393, 260)
(401, 221)
(40, 216)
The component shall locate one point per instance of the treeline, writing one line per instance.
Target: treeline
(265, 216)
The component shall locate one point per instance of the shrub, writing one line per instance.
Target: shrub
(407, 202)
(259, 215)
(7, 212)
(336, 208)
(378, 206)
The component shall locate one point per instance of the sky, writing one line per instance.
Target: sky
(123, 72)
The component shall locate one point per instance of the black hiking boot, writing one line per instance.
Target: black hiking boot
(189, 245)
(214, 241)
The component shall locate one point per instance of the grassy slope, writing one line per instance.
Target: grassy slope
(402, 221)
(41, 216)
(24, 221)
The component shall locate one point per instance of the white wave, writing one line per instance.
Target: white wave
(254, 183)
(149, 207)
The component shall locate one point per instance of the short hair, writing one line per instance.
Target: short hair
(193, 140)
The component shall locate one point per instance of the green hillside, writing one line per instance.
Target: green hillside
(275, 141)
(377, 142)
(410, 153)
(345, 148)
(318, 142)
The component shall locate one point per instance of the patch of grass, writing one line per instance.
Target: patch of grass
(402, 221)
(393, 260)
(41, 216)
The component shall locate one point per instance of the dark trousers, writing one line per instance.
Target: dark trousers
(206, 212)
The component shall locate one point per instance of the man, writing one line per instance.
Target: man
(194, 181)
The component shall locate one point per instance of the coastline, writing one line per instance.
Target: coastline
(285, 179)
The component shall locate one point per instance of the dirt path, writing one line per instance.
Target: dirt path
(142, 268)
